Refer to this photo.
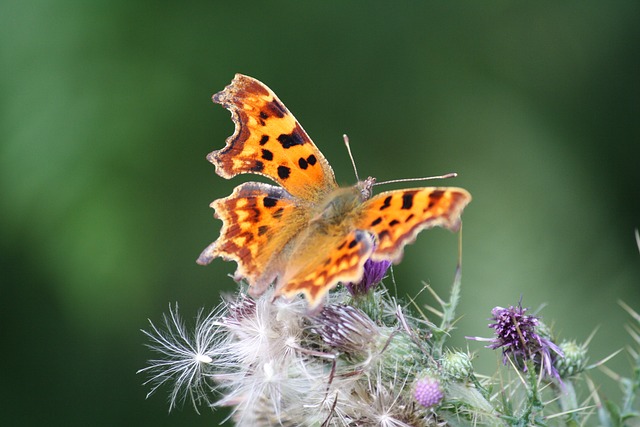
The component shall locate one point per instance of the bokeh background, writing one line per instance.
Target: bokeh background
(106, 118)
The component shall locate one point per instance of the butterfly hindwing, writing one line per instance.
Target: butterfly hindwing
(336, 258)
(269, 141)
(258, 220)
(394, 218)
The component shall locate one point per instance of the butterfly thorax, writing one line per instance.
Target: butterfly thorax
(338, 208)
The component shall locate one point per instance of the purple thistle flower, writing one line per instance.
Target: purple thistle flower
(374, 272)
(427, 392)
(519, 336)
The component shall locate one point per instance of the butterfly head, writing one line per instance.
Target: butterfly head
(365, 188)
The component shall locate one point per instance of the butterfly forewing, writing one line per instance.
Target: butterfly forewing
(396, 217)
(269, 141)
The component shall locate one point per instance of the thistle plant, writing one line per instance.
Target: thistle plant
(370, 359)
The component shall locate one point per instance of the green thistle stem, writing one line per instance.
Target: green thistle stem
(441, 333)
(534, 406)
(370, 303)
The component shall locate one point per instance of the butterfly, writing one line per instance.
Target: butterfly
(307, 234)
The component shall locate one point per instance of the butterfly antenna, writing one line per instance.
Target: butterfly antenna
(353, 162)
(425, 178)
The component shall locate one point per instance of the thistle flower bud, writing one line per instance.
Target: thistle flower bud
(574, 360)
(400, 356)
(456, 365)
(427, 392)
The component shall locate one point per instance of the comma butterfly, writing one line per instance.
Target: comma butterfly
(307, 234)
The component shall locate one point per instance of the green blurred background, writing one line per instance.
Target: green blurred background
(106, 119)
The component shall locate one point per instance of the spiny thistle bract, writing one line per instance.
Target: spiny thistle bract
(366, 360)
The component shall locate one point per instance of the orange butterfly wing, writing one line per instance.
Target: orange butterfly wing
(269, 141)
(258, 221)
(328, 260)
(396, 217)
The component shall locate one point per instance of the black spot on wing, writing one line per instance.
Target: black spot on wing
(288, 140)
(312, 160)
(386, 203)
(284, 172)
(262, 229)
(376, 221)
(278, 213)
(267, 155)
(264, 139)
(407, 199)
(359, 236)
(303, 163)
(409, 218)
(394, 222)
(263, 115)
(269, 202)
